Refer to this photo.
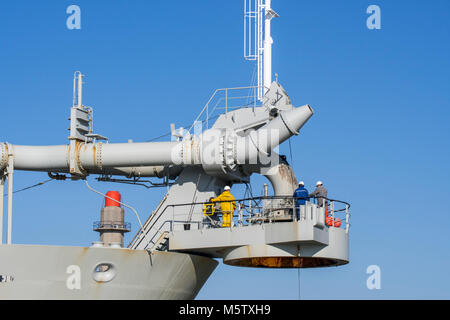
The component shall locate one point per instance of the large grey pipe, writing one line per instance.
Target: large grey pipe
(213, 149)
(282, 178)
(264, 140)
(40, 158)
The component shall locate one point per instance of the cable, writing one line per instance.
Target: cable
(194, 198)
(30, 187)
(165, 135)
(134, 181)
(249, 189)
(125, 205)
(170, 133)
(253, 83)
(290, 152)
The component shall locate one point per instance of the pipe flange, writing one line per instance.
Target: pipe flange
(229, 150)
(3, 156)
(78, 170)
(98, 156)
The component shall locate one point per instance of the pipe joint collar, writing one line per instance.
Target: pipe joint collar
(3, 156)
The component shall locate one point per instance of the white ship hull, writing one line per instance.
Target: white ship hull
(56, 272)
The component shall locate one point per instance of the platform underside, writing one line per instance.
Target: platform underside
(297, 244)
(285, 262)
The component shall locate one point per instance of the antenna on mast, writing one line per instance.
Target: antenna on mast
(258, 41)
(81, 126)
(77, 89)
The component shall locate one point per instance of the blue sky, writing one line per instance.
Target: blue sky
(379, 138)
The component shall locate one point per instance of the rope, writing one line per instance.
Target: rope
(30, 187)
(170, 133)
(290, 152)
(194, 198)
(253, 83)
(154, 139)
(125, 205)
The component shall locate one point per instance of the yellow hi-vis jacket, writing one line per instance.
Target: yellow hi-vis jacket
(229, 201)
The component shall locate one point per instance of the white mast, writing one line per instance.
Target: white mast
(78, 90)
(268, 41)
(258, 41)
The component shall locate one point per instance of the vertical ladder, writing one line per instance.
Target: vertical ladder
(258, 15)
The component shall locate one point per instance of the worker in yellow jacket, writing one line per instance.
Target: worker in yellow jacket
(227, 206)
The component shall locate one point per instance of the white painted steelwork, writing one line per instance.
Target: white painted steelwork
(139, 275)
(2, 192)
(10, 198)
(258, 40)
(92, 157)
(240, 143)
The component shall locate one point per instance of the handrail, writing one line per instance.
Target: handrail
(258, 198)
(151, 240)
(226, 90)
(112, 224)
(242, 207)
(148, 221)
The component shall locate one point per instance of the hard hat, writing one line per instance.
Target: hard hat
(227, 188)
(319, 183)
(301, 183)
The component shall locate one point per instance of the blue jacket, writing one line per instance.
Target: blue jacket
(301, 192)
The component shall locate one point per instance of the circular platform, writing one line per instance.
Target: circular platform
(293, 255)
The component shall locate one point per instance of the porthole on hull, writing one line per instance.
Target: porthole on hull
(104, 272)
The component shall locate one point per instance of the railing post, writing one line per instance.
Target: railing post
(207, 116)
(10, 200)
(240, 218)
(173, 216)
(332, 212)
(226, 100)
(304, 214)
(231, 215)
(294, 210)
(2, 192)
(271, 211)
(347, 216)
(255, 97)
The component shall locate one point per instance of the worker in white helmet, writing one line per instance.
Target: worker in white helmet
(300, 196)
(321, 193)
(227, 206)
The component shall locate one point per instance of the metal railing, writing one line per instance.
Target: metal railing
(251, 211)
(111, 225)
(228, 99)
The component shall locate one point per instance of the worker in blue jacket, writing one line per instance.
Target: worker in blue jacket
(302, 196)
